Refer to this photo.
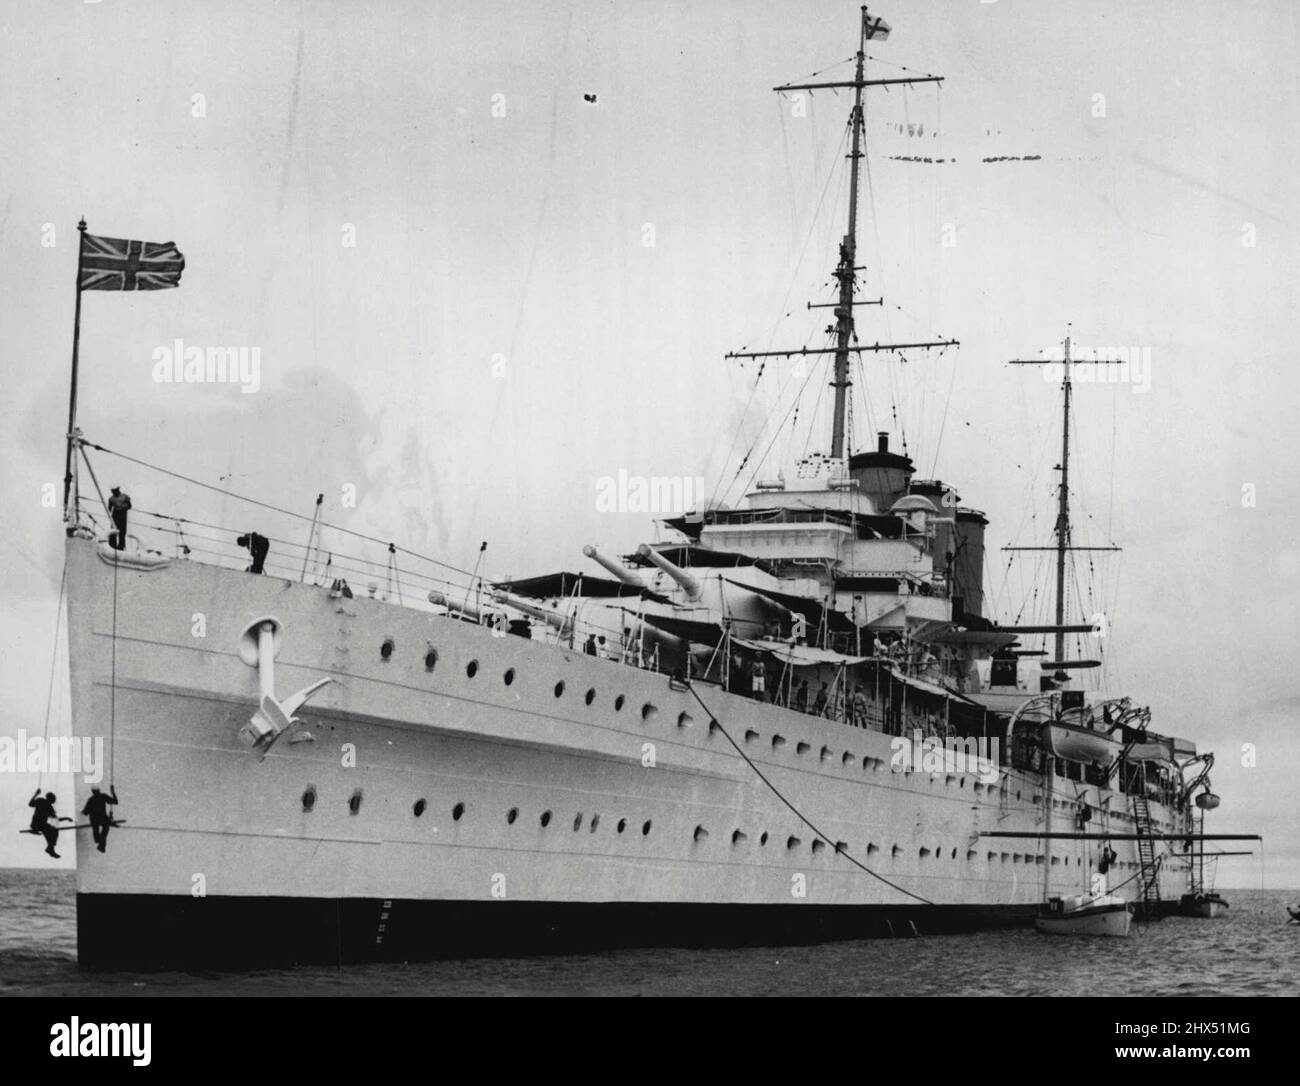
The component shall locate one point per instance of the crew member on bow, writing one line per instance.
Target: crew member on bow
(118, 505)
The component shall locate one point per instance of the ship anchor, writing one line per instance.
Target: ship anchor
(259, 644)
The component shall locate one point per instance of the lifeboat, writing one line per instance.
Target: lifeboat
(1079, 915)
(1076, 743)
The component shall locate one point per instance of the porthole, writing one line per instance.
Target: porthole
(595, 821)
(648, 712)
(645, 828)
(309, 798)
(792, 842)
(577, 822)
(847, 759)
(622, 824)
(954, 854)
(893, 851)
(418, 808)
(701, 834)
(511, 815)
(471, 669)
(826, 753)
(817, 846)
(545, 820)
(589, 696)
(559, 688)
(685, 720)
(801, 748)
(778, 741)
(762, 838)
(430, 659)
(509, 676)
(924, 852)
(618, 703)
(457, 812)
(750, 735)
(386, 649)
(738, 836)
(354, 802)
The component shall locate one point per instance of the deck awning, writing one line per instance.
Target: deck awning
(800, 655)
(837, 621)
(688, 629)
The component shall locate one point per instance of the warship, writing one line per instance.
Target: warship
(790, 720)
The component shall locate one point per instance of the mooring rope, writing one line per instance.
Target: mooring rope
(714, 722)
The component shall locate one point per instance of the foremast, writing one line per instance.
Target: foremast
(844, 329)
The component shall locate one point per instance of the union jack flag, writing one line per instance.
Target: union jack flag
(115, 264)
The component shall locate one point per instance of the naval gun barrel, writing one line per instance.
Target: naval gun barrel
(558, 619)
(626, 576)
(466, 607)
(688, 584)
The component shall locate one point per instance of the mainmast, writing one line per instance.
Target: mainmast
(1062, 546)
(846, 270)
(1063, 508)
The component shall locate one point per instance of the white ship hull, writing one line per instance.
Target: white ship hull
(658, 832)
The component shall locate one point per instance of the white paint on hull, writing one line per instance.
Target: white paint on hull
(199, 802)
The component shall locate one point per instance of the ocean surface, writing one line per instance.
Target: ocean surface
(1252, 952)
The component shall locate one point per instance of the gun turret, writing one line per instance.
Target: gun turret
(688, 584)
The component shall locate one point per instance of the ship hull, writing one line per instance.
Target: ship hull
(495, 795)
(158, 932)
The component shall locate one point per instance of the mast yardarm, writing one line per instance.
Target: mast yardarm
(847, 268)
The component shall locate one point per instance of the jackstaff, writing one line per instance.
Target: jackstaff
(112, 264)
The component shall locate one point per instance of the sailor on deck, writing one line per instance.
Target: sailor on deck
(257, 546)
(118, 505)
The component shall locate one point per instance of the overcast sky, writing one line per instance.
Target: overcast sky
(501, 335)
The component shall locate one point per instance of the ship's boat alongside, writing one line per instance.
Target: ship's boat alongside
(1206, 904)
(1081, 915)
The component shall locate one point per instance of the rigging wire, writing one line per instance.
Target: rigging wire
(831, 173)
(54, 655)
(277, 509)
